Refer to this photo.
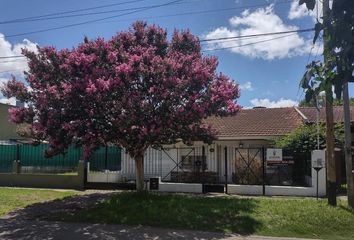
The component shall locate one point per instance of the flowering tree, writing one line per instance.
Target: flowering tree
(135, 90)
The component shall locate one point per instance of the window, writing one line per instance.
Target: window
(193, 162)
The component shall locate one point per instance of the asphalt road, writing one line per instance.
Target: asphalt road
(37, 229)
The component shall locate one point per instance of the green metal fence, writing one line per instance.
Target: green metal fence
(106, 157)
(7, 156)
(32, 159)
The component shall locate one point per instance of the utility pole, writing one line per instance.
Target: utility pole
(348, 143)
(331, 164)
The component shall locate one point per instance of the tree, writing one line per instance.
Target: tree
(304, 138)
(136, 90)
(337, 70)
(336, 102)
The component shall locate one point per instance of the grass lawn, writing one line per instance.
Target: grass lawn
(262, 216)
(13, 198)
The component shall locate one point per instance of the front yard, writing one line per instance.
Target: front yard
(283, 217)
(261, 216)
(14, 198)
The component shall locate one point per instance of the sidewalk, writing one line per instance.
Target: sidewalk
(32, 229)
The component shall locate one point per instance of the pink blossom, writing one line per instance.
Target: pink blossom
(112, 57)
(91, 88)
(123, 69)
(137, 89)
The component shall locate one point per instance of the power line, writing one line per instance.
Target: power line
(136, 8)
(14, 56)
(248, 44)
(200, 12)
(91, 21)
(142, 9)
(257, 35)
(308, 61)
(217, 39)
(67, 12)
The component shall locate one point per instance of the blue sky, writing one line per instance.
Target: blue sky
(267, 72)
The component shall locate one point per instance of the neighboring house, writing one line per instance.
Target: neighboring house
(7, 129)
(310, 116)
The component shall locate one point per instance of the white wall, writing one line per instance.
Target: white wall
(244, 189)
(156, 163)
(181, 187)
(161, 163)
(284, 190)
(103, 176)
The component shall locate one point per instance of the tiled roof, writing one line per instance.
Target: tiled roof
(338, 116)
(257, 123)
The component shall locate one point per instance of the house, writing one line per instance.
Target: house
(238, 154)
(242, 137)
(310, 116)
(7, 129)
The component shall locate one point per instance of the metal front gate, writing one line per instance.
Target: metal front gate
(249, 166)
(196, 164)
(252, 168)
(185, 165)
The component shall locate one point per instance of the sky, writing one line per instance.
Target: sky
(268, 72)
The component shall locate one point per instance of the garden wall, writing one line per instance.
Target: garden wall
(17, 179)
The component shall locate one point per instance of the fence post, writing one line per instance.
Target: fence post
(226, 178)
(105, 157)
(203, 168)
(18, 152)
(16, 167)
(82, 174)
(264, 168)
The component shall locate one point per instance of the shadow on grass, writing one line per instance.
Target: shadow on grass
(49, 209)
(347, 209)
(167, 211)
(221, 214)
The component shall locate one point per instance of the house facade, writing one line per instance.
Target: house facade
(7, 129)
(237, 155)
(237, 158)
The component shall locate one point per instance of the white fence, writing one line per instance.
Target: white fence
(158, 163)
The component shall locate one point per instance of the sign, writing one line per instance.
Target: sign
(274, 154)
(318, 159)
(280, 163)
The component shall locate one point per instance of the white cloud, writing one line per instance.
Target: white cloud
(262, 20)
(265, 102)
(13, 65)
(247, 86)
(11, 101)
(299, 11)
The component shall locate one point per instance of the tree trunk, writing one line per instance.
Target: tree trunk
(139, 172)
(331, 163)
(348, 143)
